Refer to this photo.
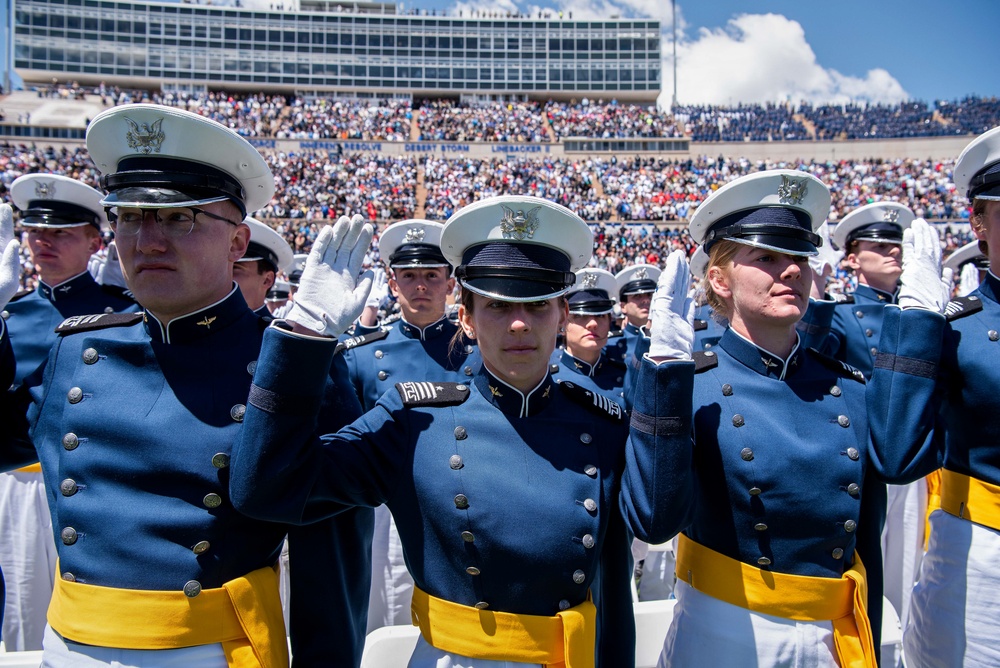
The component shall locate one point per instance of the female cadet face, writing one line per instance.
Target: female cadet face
(763, 287)
(515, 339)
(586, 335)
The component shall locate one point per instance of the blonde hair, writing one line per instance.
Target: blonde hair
(721, 256)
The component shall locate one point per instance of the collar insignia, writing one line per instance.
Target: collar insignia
(65, 288)
(495, 391)
(769, 363)
(890, 216)
(207, 322)
(45, 189)
(577, 364)
(545, 394)
(145, 138)
(414, 235)
(791, 191)
(518, 224)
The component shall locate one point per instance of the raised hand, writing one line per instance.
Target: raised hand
(672, 311)
(10, 260)
(920, 283)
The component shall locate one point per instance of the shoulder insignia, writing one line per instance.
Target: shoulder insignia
(362, 340)
(699, 324)
(425, 393)
(597, 403)
(840, 368)
(20, 295)
(962, 306)
(705, 360)
(88, 323)
(840, 298)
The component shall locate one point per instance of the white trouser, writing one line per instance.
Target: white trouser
(392, 585)
(284, 584)
(955, 604)
(425, 656)
(657, 582)
(62, 653)
(708, 632)
(27, 558)
(903, 543)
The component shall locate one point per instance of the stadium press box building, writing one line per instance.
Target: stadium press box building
(354, 49)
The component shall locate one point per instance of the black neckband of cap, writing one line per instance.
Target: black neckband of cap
(881, 231)
(986, 183)
(777, 226)
(413, 254)
(51, 212)
(193, 178)
(592, 301)
(557, 279)
(637, 287)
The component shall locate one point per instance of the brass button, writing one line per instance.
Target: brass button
(200, 547)
(853, 489)
(763, 561)
(727, 390)
(237, 412)
(588, 541)
(472, 570)
(590, 504)
(192, 588)
(70, 441)
(755, 491)
(760, 526)
(69, 577)
(853, 454)
(252, 367)
(850, 526)
(838, 553)
(455, 462)
(482, 605)
(90, 356)
(586, 438)
(579, 576)
(220, 460)
(843, 421)
(461, 434)
(75, 395)
(590, 470)
(468, 537)
(994, 336)
(382, 375)
(212, 500)
(379, 354)
(461, 501)
(68, 536)
(738, 420)
(835, 391)
(68, 487)
(746, 454)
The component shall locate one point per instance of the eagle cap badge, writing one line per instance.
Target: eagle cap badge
(45, 189)
(792, 191)
(143, 137)
(517, 224)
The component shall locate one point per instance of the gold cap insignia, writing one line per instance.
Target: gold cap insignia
(518, 224)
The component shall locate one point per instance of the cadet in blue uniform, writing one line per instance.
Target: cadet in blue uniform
(505, 488)
(707, 328)
(970, 264)
(63, 220)
(423, 345)
(949, 383)
(256, 272)
(768, 573)
(135, 414)
(582, 358)
(277, 296)
(636, 285)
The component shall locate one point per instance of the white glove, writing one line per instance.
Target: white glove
(671, 313)
(10, 261)
(380, 289)
(968, 282)
(111, 273)
(331, 295)
(95, 265)
(921, 278)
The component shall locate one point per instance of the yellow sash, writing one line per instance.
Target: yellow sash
(933, 502)
(30, 468)
(567, 640)
(799, 597)
(244, 615)
(970, 499)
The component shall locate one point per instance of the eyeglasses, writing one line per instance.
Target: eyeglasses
(173, 222)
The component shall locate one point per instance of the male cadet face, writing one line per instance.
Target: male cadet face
(636, 308)
(587, 334)
(61, 253)
(255, 278)
(986, 225)
(876, 260)
(172, 275)
(422, 293)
